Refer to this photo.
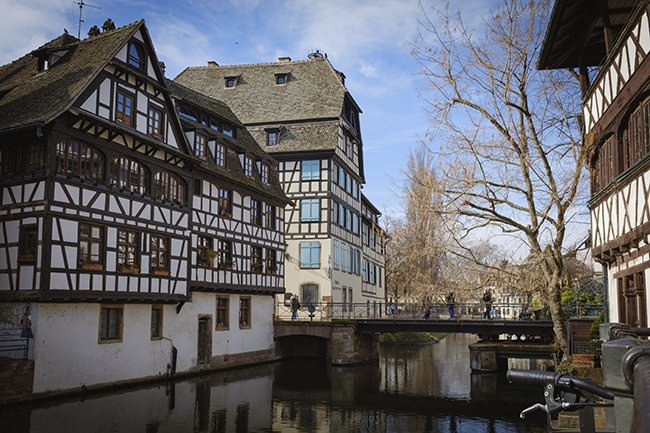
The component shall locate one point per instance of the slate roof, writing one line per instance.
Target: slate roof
(302, 137)
(313, 90)
(28, 96)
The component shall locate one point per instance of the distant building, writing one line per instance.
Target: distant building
(615, 39)
(141, 225)
(309, 122)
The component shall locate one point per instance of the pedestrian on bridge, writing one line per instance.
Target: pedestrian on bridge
(450, 304)
(537, 306)
(487, 300)
(295, 306)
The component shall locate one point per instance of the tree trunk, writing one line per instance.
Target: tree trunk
(557, 315)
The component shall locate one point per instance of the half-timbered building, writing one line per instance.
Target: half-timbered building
(306, 118)
(141, 225)
(608, 43)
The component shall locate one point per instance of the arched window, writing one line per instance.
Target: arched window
(136, 55)
(170, 186)
(130, 175)
(79, 159)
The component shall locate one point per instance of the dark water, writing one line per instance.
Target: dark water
(411, 389)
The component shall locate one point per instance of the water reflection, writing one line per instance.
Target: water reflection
(416, 389)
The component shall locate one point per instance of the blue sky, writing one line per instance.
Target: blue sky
(365, 39)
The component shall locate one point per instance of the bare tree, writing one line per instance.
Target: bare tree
(511, 141)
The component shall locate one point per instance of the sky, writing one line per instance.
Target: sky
(367, 40)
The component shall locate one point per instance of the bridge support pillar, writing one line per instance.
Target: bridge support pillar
(350, 348)
(483, 358)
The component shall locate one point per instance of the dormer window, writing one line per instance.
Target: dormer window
(280, 79)
(230, 81)
(136, 55)
(272, 136)
(248, 167)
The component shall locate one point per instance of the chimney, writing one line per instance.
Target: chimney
(212, 64)
(284, 59)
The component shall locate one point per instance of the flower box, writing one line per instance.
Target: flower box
(160, 272)
(92, 266)
(130, 270)
(26, 258)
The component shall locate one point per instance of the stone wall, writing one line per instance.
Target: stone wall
(16, 379)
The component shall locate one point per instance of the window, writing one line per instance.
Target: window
(130, 175)
(186, 112)
(311, 170)
(79, 159)
(127, 249)
(220, 155)
(256, 212)
(23, 157)
(309, 255)
(344, 258)
(341, 178)
(269, 216)
(271, 263)
(28, 243)
(309, 294)
(264, 174)
(225, 202)
(110, 327)
(223, 303)
(244, 312)
(159, 253)
(224, 253)
(91, 239)
(154, 124)
(348, 219)
(280, 78)
(256, 259)
(309, 209)
(336, 254)
(136, 55)
(203, 246)
(353, 257)
(124, 109)
(228, 130)
(200, 146)
(248, 167)
(170, 186)
(156, 322)
(198, 186)
(271, 138)
(230, 81)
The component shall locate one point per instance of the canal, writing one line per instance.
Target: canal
(411, 389)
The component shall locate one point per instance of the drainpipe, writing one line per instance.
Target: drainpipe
(606, 292)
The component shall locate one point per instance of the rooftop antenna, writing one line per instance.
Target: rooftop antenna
(81, 6)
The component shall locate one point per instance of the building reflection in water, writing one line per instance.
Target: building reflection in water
(423, 389)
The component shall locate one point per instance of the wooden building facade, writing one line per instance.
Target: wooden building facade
(608, 42)
(141, 225)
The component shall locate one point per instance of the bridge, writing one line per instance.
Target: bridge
(349, 333)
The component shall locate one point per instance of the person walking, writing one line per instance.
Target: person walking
(295, 306)
(450, 304)
(537, 306)
(487, 300)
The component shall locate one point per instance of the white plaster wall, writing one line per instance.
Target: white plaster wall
(68, 353)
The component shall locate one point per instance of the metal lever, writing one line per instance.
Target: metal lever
(539, 406)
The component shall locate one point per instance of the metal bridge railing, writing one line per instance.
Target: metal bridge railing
(12, 345)
(326, 311)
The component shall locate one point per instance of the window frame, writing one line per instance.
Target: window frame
(105, 335)
(200, 146)
(28, 242)
(171, 186)
(228, 80)
(203, 244)
(310, 170)
(156, 322)
(245, 310)
(225, 202)
(141, 60)
(272, 137)
(311, 248)
(90, 257)
(123, 175)
(281, 79)
(159, 253)
(256, 212)
(130, 257)
(306, 296)
(89, 163)
(310, 210)
(220, 155)
(269, 216)
(271, 260)
(222, 313)
(122, 107)
(264, 173)
(155, 122)
(224, 253)
(249, 163)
